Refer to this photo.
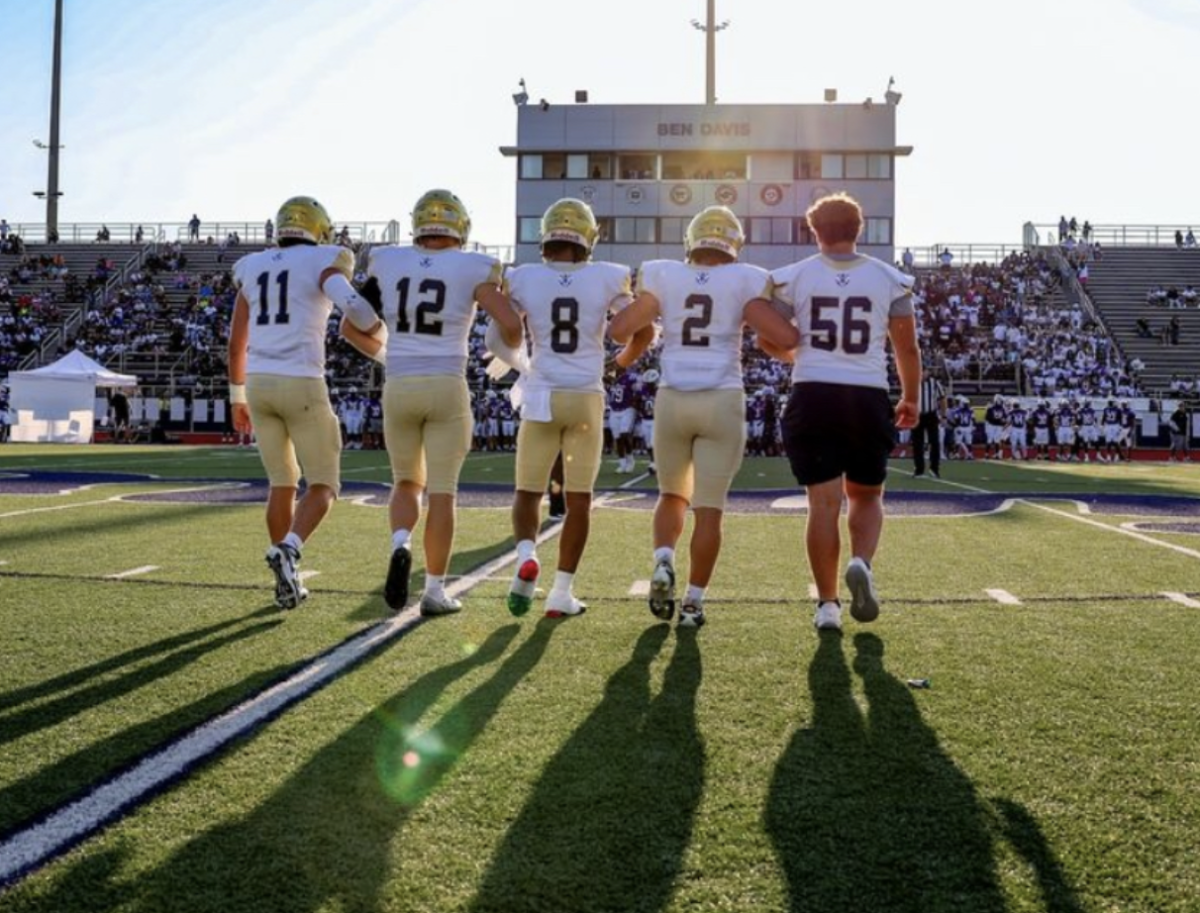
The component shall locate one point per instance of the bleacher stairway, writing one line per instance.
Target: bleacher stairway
(1117, 286)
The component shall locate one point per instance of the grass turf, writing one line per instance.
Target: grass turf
(611, 763)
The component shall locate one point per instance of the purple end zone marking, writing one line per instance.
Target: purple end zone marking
(1191, 529)
(29, 482)
(375, 494)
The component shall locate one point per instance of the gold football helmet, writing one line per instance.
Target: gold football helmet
(572, 221)
(441, 213)
(715, 228)
(304, 219)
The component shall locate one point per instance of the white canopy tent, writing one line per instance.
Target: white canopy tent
(55, 403)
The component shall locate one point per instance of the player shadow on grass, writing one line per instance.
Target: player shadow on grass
(102, 527)
(610, 820)
(63, 708)
(76, 677)
(327, 838)
(868, 812)
(56, 783)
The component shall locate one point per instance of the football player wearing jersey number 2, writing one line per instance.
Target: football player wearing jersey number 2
(699, 432)
(839, 428)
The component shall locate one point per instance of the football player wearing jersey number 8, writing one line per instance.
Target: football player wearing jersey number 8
(277, 375)
(565, 301)
(428, 293)
(839, 427)
(699, 432)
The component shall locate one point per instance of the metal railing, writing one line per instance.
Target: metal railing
(961, 254)
(1116, 235)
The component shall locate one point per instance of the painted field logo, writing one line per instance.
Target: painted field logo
(772, 194)
(681, 194)
(726, 195)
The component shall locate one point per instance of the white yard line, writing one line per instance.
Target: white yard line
(38, 844)
(1141, 537)
(133, 572)
(42, 510)
(941, 481)
(1004, 597)
(634, 481)
(639, 588)
(1183, 600)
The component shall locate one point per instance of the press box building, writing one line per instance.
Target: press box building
(647, 169)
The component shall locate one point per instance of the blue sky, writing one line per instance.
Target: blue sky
(1021, 110)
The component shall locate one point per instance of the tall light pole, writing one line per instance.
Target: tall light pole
(710, 28)
(52, 193)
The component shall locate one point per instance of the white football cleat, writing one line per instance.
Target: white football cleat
(282, 560)
(563, 605)
(864, 601)
(828, 616)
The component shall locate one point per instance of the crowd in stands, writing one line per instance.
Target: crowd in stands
(1172, 297)
(25, 320)
(1001, 321)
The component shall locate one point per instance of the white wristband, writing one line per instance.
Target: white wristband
(237, 394)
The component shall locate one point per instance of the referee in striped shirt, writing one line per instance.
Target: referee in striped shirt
(932, 407)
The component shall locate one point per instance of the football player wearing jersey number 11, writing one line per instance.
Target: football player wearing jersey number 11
(277, 375)
(839, 427)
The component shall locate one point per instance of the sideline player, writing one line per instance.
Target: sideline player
(277, 375)
(699, 432)
(839, 426)
(428, 293)
(565, 301)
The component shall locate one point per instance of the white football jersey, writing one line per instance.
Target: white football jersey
(428, 305)
(701, 308)
(566, 308)
(842, 309)
(289, 312)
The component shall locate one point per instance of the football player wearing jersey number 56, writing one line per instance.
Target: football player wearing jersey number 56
(277, 375)
(428, 293)
(839, 427)
(699, 432)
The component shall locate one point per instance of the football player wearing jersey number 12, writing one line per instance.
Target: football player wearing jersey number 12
(427, 292)
(699, 432)
(277, 375)
(839, 428)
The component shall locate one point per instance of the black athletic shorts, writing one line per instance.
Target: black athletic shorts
(831, 430)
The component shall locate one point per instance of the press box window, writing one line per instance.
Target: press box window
(856, 167)
(529, 230)
(832, 166)
(637, 167)
(879, 167)
(878, 231)
(671, 230)
(629, 230)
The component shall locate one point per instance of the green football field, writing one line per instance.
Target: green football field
(609, 762)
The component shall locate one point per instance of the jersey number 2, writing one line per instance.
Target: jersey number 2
(264, 306)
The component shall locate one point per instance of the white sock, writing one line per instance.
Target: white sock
(434, 585)
(291, 539)
(562, 581)
(695, 594)
(400, 538)
(526, 549)
(664, 554)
